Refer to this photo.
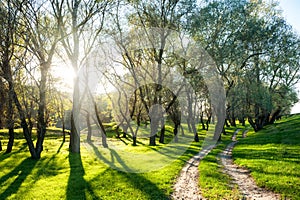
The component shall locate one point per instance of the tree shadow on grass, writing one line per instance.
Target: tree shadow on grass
(137, 180)
(61, 145)
(77, 185)
(4, 155)
(21, 171)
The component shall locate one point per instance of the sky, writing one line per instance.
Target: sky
(291, 12)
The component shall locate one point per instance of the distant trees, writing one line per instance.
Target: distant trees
(257, 55)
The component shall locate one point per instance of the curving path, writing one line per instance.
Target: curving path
(242, 177)
(187, 184)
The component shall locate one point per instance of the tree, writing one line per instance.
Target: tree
(249, 42)
(80, 25)
(10, 14)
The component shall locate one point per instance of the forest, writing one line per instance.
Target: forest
(159, 75)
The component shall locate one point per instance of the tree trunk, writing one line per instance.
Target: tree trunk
(153, 126)
(162, 132)
(10, 140)
(189, 125)
(242, 121)
(196, 137)
(207, 122)
(232, 120)
(117, 131)
(24, 125)
(134, 140)
(63, 129)
(253, 124)
(175, 131)
(220, 110)
(88, 123)
(202, 121)
(41, 125)
(10, 121)
(191, 118)
(13, 95)
(275, 116)
(125, 129)
(75, 134)
(103, 132)
(182, 130)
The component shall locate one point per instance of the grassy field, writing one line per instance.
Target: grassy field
(273, 156)
(90, 175)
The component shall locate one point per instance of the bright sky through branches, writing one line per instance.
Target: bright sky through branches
(291, 12)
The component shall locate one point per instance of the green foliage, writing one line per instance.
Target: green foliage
(256, 52)
(273, 156)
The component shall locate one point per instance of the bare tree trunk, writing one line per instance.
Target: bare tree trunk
(202, 121)
(75, 134)
(64, 131)
(275, 116)
(162, 132)
(252, 123)
(41, 125)
(191, 118)
(175, 131)
(24, 125)
(208, 121)
(88, 122)
(10, 121)
(103, 134)
(182, 130)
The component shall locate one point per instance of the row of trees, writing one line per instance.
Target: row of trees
(257, 55)
(163, 58)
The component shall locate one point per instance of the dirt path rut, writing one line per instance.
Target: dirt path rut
(242, 178)
(186, 186)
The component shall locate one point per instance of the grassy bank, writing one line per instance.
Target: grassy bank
(273, 156)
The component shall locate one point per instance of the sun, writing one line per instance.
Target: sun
(63, 76)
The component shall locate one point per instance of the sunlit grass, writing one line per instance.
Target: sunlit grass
(60, 175)
(273, 156)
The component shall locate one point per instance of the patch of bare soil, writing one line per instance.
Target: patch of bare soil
(187, 184)
(242, 177)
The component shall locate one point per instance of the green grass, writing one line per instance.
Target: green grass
(273, 156)
(60, 175)
(213, 182)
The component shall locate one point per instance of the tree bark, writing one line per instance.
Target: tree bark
(10, 121)
(88, 122)
(162, 132)
(24, 125)
(202, 121)
(41, 125)
(75, 134)
(175, 131)
(134, 140)
(153, 127)
(103, 132)
(275, 116)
